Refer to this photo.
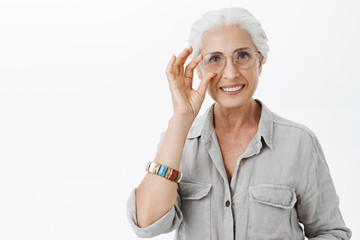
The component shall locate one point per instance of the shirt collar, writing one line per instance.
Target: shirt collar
(204, 126)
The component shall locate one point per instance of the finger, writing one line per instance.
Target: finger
(180, 64)
(189, 70)
(170, 64)
(169, 67)
(180, 58)
(190, 50)
(204, 83)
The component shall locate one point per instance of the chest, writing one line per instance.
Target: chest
(232, 149)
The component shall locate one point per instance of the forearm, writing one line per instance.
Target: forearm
(156, 195)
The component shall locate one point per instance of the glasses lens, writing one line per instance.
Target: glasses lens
(244, 58)
(213, 62)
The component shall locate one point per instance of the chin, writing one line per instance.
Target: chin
(232, 103)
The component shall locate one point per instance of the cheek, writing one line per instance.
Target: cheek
(252, 76)
(213, 82)
(212, 88)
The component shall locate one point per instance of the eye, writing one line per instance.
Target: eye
(214, 59)
(243, 55)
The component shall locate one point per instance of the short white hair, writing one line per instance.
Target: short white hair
(228, 16)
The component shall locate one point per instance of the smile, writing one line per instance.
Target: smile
(232, 90)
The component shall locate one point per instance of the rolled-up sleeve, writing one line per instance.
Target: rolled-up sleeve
(318, 208)
(167, 223)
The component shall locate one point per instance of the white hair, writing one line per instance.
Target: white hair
(228, 16)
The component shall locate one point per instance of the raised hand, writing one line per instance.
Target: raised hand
(186, 101)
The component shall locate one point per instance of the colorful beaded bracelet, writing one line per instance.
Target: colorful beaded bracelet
(166, 172)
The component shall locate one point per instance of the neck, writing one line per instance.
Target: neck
(232, 121)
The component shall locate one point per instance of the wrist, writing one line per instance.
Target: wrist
(184, 121)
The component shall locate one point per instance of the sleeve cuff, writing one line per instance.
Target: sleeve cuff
(165, 224)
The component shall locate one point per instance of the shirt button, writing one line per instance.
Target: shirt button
(227, 204)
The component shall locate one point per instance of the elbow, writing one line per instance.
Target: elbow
(342, 233)
(147, 216)
(147, 212)
(143, 220)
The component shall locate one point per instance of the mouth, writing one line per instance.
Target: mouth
(232, 89)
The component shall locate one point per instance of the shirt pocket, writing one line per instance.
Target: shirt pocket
(195, 207)
(272, 214)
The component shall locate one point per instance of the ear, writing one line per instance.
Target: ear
(261, 59)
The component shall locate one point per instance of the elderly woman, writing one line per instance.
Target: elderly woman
(239, 171)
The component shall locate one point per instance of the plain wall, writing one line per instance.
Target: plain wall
(84, 98)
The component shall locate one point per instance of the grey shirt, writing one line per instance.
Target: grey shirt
(280, 181)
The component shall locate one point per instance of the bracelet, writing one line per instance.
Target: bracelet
(163, 171)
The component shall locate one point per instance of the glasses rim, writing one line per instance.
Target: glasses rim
(255, 52)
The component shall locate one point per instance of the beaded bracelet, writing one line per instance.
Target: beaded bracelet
(163, 171)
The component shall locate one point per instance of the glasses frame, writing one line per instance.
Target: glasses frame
(256, 53)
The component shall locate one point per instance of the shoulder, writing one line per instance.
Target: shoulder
(296, 141)
(285, 126)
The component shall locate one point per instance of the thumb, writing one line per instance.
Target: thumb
(204, 83)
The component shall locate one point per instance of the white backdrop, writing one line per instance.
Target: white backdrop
(84, 98)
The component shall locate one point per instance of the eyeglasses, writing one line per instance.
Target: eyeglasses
(214, 62)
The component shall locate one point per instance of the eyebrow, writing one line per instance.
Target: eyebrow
(239, 49)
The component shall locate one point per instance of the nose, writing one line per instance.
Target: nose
(231, 70)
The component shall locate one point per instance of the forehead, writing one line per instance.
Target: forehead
(226, 39)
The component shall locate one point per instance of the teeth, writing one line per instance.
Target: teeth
(233, 89)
